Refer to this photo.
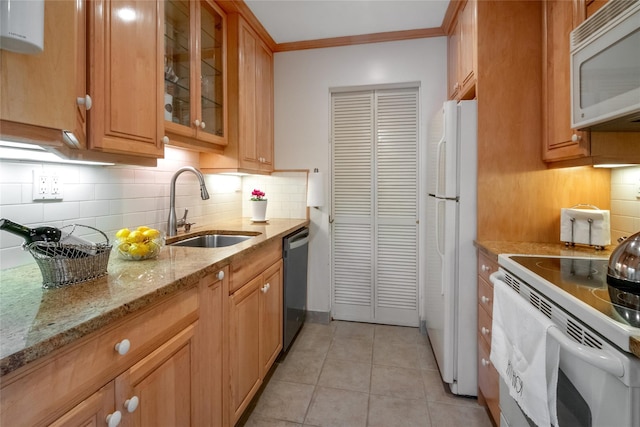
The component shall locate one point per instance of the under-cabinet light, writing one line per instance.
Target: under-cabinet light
(613, 165)
(34, 153)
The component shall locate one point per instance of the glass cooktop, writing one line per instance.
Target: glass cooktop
(586, 279)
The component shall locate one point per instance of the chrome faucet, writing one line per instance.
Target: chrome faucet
(173, 223)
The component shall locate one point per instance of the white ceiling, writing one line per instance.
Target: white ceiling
(298, 20)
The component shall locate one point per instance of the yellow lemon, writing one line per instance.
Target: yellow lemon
(151, 234)
(138, 249)
(124, 247)
(135, 237)
(123, 233)
(143, 228)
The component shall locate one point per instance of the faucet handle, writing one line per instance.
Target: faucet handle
(182, 221)
(187, 226)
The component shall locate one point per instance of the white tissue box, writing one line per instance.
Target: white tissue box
(585, 226)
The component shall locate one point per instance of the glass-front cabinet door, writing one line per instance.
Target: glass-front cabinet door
(194, 75)
(177, 62)
(211, 71)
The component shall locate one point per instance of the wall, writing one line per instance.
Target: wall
(302, 103)
(113, 197)
(625, 202)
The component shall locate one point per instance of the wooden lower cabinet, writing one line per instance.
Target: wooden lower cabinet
(255, 335)
(158, 390)
(488, 391)
(244, 345)
(195, 359)
(89, 380)
(209, 362)
(271, 317)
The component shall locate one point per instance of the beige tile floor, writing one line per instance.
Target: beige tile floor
(357, 374)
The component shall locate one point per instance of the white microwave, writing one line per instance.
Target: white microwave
(605, 69)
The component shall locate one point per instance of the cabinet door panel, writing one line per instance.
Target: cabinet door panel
(178, 67)
(41, 89)
(488, 380)
(208, 366)
(162, 383)
(247, 97)
(244, 339)
(125, 78)
(264, 108)
(561, 142)
(271, 317)
(92, 412)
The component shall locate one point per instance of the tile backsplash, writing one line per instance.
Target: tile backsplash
(112, 197)
(625, 202)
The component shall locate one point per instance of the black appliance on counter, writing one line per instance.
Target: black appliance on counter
(295, 250)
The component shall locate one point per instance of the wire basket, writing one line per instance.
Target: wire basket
(63, 264)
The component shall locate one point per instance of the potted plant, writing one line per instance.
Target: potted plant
(258, 206)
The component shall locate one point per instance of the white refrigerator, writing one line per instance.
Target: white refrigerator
(450, 297)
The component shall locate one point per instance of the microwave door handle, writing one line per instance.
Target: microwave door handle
(599, 358)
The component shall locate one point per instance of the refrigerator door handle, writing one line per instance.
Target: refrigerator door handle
(439, 229)
(439, 165)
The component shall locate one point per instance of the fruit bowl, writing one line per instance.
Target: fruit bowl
(138, 244)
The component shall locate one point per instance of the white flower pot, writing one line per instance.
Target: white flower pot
(259, 210)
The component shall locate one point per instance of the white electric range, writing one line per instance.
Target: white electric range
(599, 379)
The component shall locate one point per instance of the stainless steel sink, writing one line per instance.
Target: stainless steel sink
(212, 240)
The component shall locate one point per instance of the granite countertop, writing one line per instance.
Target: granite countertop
(36, 321)
(494, 248)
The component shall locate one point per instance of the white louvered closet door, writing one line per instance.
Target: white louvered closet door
(374, 206)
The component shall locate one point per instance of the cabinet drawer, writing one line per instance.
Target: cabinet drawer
(486, 266)
(254, 263)
(54, 385)
(484, 326)
(488, 381)
(485, 295)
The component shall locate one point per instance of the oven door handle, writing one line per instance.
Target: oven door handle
(599, 358)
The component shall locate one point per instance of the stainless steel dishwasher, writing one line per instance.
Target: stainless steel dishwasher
(295, 249)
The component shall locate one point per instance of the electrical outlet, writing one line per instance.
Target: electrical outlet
(41, 185)
(56, 187)
(46, 186)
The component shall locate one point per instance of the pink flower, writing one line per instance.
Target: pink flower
(257, 195)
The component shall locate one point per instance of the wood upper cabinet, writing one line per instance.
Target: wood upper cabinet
(195, 89)
(40, 92)
(561, 142)
(125, 77)
(594, 5)
(255, 112)
(255, 335)
(250, 65)
(462, 61)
